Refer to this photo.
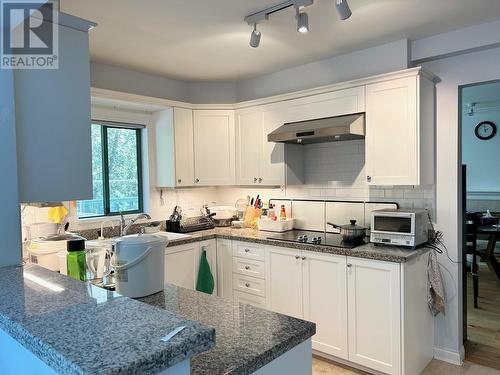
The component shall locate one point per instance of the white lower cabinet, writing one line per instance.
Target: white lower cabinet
(225, 269)
(284, 274)
(370, 313)
(181, 265)
(325, 298)
(313, 287)
(374, 315)
(183, 262)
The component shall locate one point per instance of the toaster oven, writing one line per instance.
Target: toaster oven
(400, 227)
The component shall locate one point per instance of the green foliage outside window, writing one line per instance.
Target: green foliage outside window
(116, 172)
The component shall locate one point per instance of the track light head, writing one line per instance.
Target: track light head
(255, 37)
(343, 9)
(302, 22)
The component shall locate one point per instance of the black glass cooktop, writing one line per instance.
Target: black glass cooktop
(315, 238)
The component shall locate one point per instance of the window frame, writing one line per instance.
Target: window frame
(105, 125)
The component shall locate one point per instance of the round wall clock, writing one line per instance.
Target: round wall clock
(485, 130)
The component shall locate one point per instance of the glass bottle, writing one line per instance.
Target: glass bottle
(283, 212)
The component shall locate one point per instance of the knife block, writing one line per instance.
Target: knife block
(251, 216)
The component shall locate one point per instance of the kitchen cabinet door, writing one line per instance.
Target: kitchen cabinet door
(214, 147)
(272, 158)
(184, 157)
(392, 152)
(210, 246)
(374, 317)
(335, 103)
(225, 269)
(248, 146)
(181, 265)
(284, 281)
(325, 301)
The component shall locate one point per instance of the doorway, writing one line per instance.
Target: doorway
(480, 146)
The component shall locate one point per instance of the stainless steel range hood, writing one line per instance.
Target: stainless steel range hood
(331, 129)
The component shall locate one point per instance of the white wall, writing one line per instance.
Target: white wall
(371, 61)
(481, 157)
(383, 59)
(454, 71)
(10, 250)
(125, 80)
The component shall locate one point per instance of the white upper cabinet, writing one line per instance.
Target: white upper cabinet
(257, 160)
(184, 156)
(248, 146)
(272, 159)
(53, 125)
(174, 147)
(214, 147)
(335, 103)
(400, 132)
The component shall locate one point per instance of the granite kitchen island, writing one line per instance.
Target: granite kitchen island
(51, 324)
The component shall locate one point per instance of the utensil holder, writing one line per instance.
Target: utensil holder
(173, 226)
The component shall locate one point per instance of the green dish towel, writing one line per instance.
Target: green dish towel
(205, 281)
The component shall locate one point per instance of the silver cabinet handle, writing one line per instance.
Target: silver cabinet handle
(260, 179)
(255, 179)
(247, 250)
(349, 265)
(297, 256)
(179, 181)
(247, 285)
(369, 178)
(247, 267)
(303, 258)
(197, 180)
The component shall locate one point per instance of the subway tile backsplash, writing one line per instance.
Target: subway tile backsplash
(337, 171)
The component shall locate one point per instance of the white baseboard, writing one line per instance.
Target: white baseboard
(453, 357)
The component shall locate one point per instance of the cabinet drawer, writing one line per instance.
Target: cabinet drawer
(248, 251)
(249, 284)
(248, 267)
(250, 299)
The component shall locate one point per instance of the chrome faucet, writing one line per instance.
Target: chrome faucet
(124, 227)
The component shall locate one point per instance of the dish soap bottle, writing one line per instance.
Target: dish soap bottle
(76, 259)
(282, 212)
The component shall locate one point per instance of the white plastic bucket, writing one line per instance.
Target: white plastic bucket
(138, 261)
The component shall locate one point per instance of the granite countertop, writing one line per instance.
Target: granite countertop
(386, 253)
(77, 328)
(247, 337)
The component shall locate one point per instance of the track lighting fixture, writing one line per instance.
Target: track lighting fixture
(255, 37)
(302, 17)
(302, 21)
(343, 9)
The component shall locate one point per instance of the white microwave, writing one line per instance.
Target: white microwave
(400, 227)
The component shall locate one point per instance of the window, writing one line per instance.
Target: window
(116, 171)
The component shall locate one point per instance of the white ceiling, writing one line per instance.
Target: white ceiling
(207, 40)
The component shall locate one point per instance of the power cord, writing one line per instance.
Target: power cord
(436, 241)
